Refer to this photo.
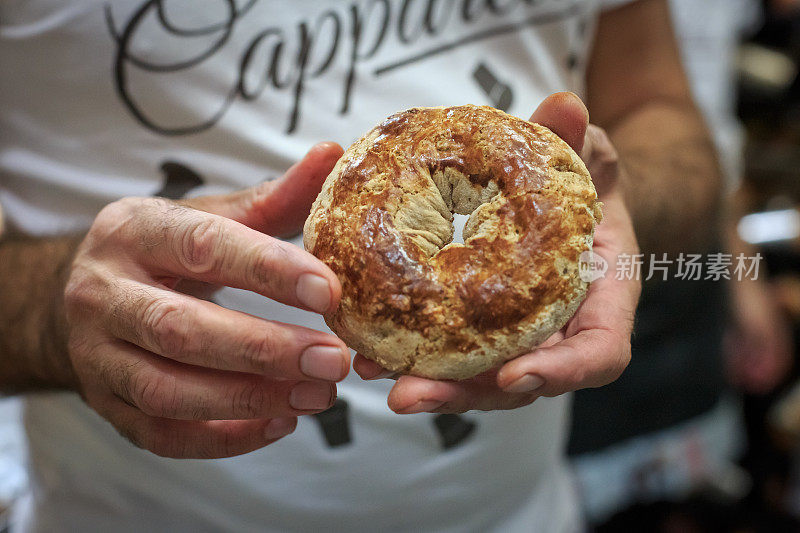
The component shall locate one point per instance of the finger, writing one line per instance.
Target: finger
(278, 207)
(163, 388)
(566, 116)
(478, 393)
(601, 159)
(596, 348)
(555, 338)
(285, 206)
(180, 242)
(412, 394)
(592, 358)
(370, 370)
(200, 333)
(185, 439)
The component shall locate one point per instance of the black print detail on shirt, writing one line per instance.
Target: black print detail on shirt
(335, 424)
(453, 429)
(178, 180)
(499, 93)
(286, 59)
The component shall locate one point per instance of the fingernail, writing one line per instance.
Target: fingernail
(382, 375)
(279, 427)
(323, 362)
(422, 407)
(310, 396)
(527, 383)
(314, 292)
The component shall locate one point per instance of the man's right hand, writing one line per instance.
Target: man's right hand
(181, 376)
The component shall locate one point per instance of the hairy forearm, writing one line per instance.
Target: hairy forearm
(33, 338)
(638, 91)
(672, 183)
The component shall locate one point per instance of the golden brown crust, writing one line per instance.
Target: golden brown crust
(414, 301)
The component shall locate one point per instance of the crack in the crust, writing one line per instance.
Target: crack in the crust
(564, 166)
(410, 361)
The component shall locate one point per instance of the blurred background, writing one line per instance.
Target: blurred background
(737, 467)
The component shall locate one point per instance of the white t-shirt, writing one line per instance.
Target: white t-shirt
(106, 99)
(708, 33)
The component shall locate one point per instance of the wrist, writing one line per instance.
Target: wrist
(33, 326)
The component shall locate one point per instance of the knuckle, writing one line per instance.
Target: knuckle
(87, 286)
(76, 288)
(200, 245)
(152, 397)
(260, 353)
(251, 401)
(149, 206)
(262, 264)
(116, 211)
(115, 216)
(83, 347)
(124, 225)
(79, 292)
(128, 376)
(164, 322)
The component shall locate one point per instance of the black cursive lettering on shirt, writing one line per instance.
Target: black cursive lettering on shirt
(287, 58)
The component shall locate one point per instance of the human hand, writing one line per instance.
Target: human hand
(594, 347)
(758, 343)
(181, 376)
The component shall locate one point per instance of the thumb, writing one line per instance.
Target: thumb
(278, 207)
(565, 115)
